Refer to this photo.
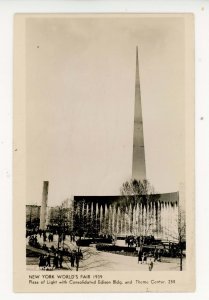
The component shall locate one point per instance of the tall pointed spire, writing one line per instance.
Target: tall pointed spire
(138, 166)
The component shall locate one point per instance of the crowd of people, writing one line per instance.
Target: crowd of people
(133, 241)
(49, 236)
(55, 254)
(53, 257)
(55, 260)
(150, 257)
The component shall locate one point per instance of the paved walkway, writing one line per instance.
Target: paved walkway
(94, 260)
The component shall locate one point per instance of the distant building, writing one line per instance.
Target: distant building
(55, 216)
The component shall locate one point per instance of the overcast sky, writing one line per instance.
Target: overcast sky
(80, 103)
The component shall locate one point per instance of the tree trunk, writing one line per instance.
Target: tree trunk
(180, 244)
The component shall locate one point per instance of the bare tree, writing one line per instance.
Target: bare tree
(59, 220)
(178, 236)
(181, 233)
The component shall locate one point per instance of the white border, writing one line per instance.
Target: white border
(201, 11)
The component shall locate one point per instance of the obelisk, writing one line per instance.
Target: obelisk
(138, 164)
(43, 213)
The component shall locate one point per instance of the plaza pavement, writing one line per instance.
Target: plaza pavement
(94, 260)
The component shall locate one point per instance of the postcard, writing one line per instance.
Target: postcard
(104, 153)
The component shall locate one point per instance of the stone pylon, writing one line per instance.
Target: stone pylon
(43, 214)
(138, 164)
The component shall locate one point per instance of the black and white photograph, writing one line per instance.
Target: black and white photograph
(106, 143)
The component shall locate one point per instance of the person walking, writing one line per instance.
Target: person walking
(155, 253)
(139, 256)
(55, 261)
(44, 236)
(48, 261)
(41, 261)
(72, 259)
(60, 261)
(77, 260)
(151, 264)
(143, 257)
